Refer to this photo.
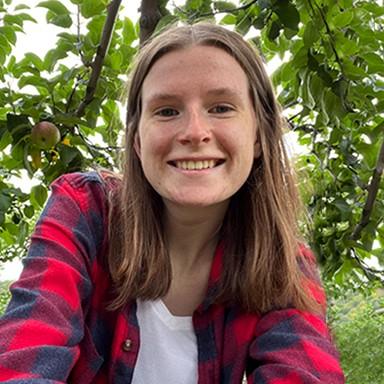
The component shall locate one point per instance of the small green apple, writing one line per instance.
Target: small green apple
(45, 135)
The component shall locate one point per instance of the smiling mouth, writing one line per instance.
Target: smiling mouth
(191, 165)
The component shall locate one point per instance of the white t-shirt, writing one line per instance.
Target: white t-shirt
(168, 346)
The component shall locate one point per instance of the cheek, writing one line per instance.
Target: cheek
(153, 146)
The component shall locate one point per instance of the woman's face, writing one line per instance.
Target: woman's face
(196, 138)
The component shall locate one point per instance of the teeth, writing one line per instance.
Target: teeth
(192, 165)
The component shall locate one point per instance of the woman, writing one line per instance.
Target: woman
(189, 268)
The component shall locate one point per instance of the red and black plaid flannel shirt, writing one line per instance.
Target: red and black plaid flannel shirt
(56, 328)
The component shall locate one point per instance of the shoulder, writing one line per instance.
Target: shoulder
(80, 202)
(88, 189)
(83, 181)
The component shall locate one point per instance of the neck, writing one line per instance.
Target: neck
(192, 233)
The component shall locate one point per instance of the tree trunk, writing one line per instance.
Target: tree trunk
(150, 16)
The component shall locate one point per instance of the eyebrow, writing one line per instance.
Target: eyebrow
(223, 91)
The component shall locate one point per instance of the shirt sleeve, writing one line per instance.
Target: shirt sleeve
(43, 325)
(295, 347)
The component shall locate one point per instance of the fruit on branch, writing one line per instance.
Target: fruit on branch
(45, 135)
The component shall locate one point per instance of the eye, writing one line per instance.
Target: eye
(166, 112)
(221, 108)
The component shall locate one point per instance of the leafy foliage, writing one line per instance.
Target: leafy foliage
(51, 88)
(330, 85)
(5, 296)
(357, 322)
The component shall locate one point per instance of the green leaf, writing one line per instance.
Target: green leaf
(26, 17)
(353, 72)
(5, 202)
(243, 23)
(52, 57)
(34, 81)
(29, 211)
(311, 34)
(22, 233)
(375, 63)
(3, 55)
(8, 32)
(4, 44)
(306, 94)
(368, 152)
(13, 19)
(19, 126)
(32, 58)
(115, 60)
(54, 6)
(273, 30)
(63, 21)
(165, 21)
(89, 8)
(376, 9)
(342, 205)
(21, 6)
(39, 195)
(193, 5)
(228, 20)
(288, 14)
(70, 156)
(129, 32)
(223, 6)
(343, 19)
(5, 139)
(300, 59)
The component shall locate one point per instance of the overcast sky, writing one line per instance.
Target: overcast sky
(40, 37)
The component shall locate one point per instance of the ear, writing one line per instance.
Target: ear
(137, 145)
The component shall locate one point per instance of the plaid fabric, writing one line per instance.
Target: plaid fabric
(56, 328)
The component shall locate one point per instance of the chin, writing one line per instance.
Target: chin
(198, 201)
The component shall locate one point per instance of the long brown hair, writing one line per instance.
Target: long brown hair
(261, 266)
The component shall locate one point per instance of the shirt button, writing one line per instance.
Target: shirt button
(127, 345)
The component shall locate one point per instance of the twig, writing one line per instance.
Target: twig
(329, 32)
(231, 10)
(368, 271)
(373, 188)
(79, 43)
(97, 63)
(70, 98)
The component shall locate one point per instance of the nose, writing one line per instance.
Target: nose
(195, 130)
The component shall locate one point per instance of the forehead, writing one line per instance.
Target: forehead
(195, 67)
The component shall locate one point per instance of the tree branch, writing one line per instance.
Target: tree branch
(369, 272)
(232, 10)
(102, 50)
(150, 16)
(329, 32)
(213, 13)
(373, 188)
